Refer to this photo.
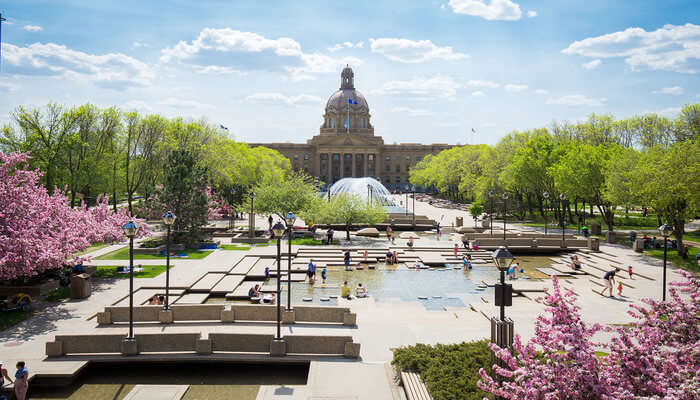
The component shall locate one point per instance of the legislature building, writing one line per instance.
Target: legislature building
(346, 145)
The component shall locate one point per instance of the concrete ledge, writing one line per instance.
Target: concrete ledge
(165, 316)
(104, 318)
(90, 343)
(203, 346)
(167, 342)
(278, 348)
(240, 342)
(349, 319)
(197, 312)
(352, 350)
(54, 349)
(288, 317)
(329, 345)
(129, 347)
(227, 315)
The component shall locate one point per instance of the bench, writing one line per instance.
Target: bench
(414, 387)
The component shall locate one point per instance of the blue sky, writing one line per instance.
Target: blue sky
(430, 70)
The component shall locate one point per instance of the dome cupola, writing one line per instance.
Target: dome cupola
(347, 110)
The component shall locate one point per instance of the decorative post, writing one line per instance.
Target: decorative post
(502, 328)
(251, 217)
(278, 232)
(491, 196)
(562, 197)
(130, 230)
(505, 211)
(546, 198)
(290, 218)
(665, 230)
(168, 220)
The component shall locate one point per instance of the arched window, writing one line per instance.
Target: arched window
(330, 122)
(347, 122)
(363, 123)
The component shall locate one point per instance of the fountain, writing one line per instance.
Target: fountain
(368, 188)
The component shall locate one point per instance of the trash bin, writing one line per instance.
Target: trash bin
(459, 221)
(585, 231)
(80, 286)
(595, 229)
(593, 244)
(638, 245)
(633, 236)
(610, 237)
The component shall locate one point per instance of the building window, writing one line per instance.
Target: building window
(388, 168)
(408, 167)
(363, 123)
(388, 158)
(306, 167)
(330, 122)
(346, 125)
(306, 156)
(336, 157)
(296, 156)
(387, 179)
(398, 179)
(324, 156)
(358, 156)
(370, 157)
(398, 167)
(408, 158)
(419, 158)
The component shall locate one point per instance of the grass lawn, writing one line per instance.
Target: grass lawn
(671, 255)
(10, 318)
(58, 294)
(92, 248)
(110, 271)
(310, 242)
(233, 247)
(123, 254)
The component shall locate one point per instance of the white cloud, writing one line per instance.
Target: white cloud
(346, 45)
(670, 48)
(577, 100)
(531, 14)
(413, 112)
(215, 69)
(115, 70)
(480, 83)
(439, 86)
(541, 91)
(514, 88)
(675, 90)
(137, 44)
(279, 98)
(8, 87)
(413, 51)
(137, 105)
(249, 51)
(669, 112)
(592, 64)
(33, 28)
(478, 93)
(505, 10)
(176, 102)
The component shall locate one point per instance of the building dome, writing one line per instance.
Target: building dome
(347, 106)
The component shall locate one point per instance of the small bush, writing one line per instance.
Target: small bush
(450, 371)
(58, 294)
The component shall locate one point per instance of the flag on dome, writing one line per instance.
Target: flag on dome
(351, 101)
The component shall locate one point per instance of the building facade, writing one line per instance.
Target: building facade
(346, 145)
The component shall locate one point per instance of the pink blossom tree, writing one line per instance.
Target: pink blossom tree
(38, 230)
(657, 357)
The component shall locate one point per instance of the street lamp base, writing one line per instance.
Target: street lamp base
(278, 348)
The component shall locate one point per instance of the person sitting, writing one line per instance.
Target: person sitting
(389, 257)
(410, 243)
(360, 291)
(269, 298)
(153, 301)
(575, 263)
(161, 299)
(395, 257)
(345, 291)
(254, 292)
(78, 268)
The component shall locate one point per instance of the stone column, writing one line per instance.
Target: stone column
(366, 163)
(342, 165)
(352, 165)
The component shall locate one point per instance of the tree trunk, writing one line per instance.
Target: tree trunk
(347, 232)
(608, 215)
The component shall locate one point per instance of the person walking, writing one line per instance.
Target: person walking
(346, 260)
(330, 236)
(388, 233)
(456, 250)
(323, 274)
(269, 222)
(609, 279)
(21, 381)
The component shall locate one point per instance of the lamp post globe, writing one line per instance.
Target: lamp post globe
(168, 219)
(546, 199)
(131, 228)
(665, 231)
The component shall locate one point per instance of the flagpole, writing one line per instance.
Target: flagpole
(1, 21)
(347, 127)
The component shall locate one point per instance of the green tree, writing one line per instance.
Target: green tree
(294, 193)
(475, 210)
(184, 193)
(348, 209)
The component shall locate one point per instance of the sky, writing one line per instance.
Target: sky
(432, 71)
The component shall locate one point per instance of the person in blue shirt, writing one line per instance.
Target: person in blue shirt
(323, 274)
(267, 272)
(21, 381)
(311, 271)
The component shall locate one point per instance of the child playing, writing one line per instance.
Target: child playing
(365, 254)
(629, 271)
(456, 250)
(619, 289)
(323, 274)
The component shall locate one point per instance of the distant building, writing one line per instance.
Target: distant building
(346, 145)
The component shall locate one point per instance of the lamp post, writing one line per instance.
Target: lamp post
(130, 229)
(407, 189)
(278, 232)
(491, 196)
(665, 230)
(502, 328)
(168, 220)
(546, 198)
(413, 193)
(505, 210)
(289, 219)
(562, 197)
(251, 218)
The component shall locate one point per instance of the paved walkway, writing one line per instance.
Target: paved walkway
(382, 325)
